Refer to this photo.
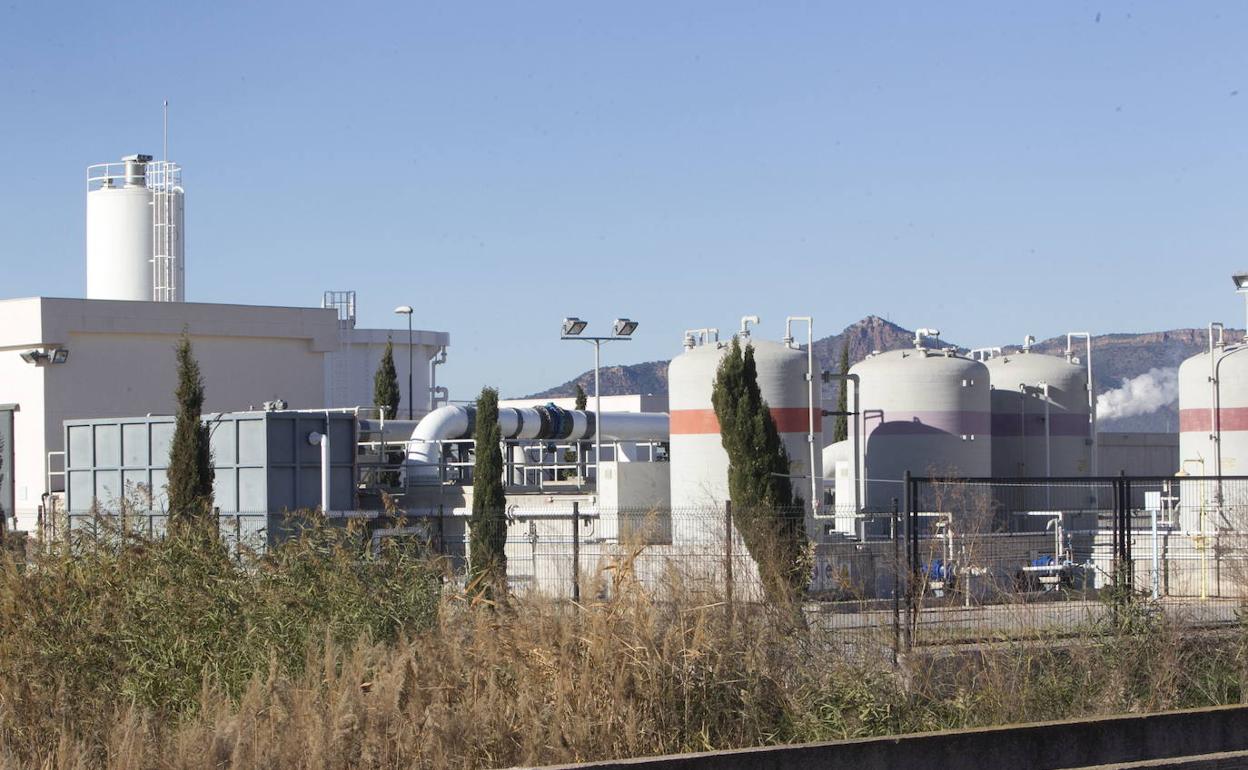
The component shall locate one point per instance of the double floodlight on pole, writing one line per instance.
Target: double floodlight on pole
(42, 357)
(621, 331)
(624, 327)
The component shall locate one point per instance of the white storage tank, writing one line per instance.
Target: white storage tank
(119, 230)
(924, 411)
(1041, 417)
(699, 464)
(1222, 376)
(1213, 437)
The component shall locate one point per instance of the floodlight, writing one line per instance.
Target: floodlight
(60, 355)
(403, 310)
(1241, 281)
(573, 326)
(35, 357)
(624, 327)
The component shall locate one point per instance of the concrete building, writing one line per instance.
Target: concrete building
(1137, 454)
(63, 359)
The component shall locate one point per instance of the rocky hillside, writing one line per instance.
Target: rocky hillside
(1146, 359)
(647, 378)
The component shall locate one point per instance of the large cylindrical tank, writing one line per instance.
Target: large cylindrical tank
(1213, 441)
(923, 411)
(699, 464)
(1198, 422)
(1041, 424)
(119, 233)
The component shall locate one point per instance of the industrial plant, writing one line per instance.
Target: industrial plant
(87, 397)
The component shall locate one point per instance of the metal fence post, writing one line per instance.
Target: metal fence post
(728, 561)
(896, 583)
(1128, 529)
(441, 532)
(912, 560)
(576, 552)
(238, 538)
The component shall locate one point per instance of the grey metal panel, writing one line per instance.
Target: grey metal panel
(79, 486)
(281, 440)
(225, 489)
(309, 453)
(252, 490)
(281, 495)
(251, 442)
(108, 487)
(162, 442)
(342, 489)
(135, 447)
(341, 441)
(78, 445)
(136, 485)
(160, 495)
(224, 442)
(108, 446)
(262, 460)
(309, 486)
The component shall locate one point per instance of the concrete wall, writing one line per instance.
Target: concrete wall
(1137, 454)
(121, 363)
(1044, 746)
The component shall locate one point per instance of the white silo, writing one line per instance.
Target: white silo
(135, 241)
(699, 463)
(1213, 441)
(924, 411)
(1041, 415)
(1213, 410)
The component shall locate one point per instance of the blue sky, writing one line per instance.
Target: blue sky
(992, 169)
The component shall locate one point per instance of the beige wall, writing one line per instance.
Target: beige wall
(121, 363)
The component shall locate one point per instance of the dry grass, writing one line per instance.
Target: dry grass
(320, 659)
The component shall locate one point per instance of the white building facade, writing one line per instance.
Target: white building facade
(80, 358)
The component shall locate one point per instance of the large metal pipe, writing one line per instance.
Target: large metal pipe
(538, 422)
(436, 393)
(1215, 428)
(322, 439)
(1070, 352)
(856, 413)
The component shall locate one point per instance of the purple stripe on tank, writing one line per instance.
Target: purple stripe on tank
(959, 423)
(1063, 424)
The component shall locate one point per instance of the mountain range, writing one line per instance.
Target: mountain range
(1147, 359)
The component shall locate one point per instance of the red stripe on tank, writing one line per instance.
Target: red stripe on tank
(1197, 420)
(788, 419)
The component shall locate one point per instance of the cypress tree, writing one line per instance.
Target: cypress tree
(764, 509)
(190, 458)
(386, 393)
(487, 559)
(581, 398)
(841, 431)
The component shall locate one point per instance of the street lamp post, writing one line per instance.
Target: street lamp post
(622, 331)
(411, 395)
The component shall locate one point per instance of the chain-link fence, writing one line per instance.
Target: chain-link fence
(954, 560)
(997, 557)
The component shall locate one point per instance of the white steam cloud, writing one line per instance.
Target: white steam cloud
(1139, 395)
